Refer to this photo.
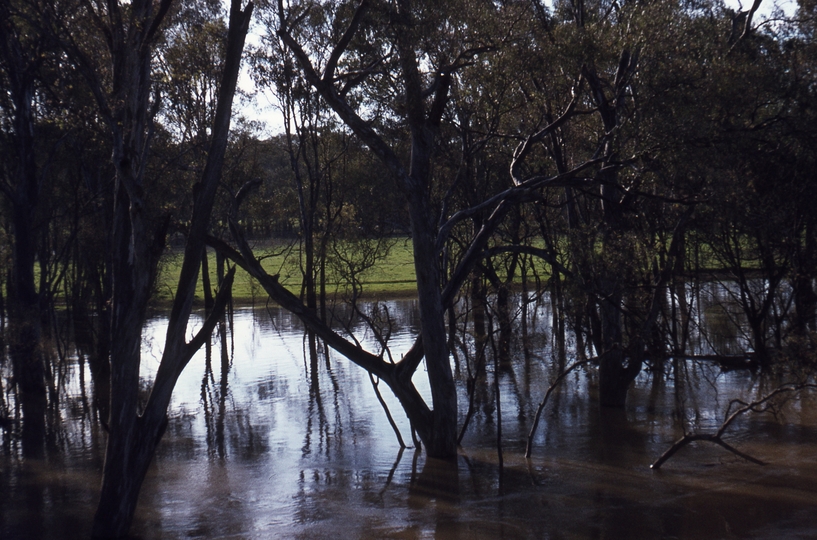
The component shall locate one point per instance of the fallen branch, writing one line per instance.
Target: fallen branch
(541, 407)
(761, 405)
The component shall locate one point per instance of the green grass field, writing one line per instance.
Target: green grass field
(392, 276)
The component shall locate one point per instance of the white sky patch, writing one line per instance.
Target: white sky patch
(261, 106)
(766, 6)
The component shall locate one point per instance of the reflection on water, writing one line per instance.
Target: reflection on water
(267, 440)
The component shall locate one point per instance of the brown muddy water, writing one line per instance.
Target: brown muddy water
(265, 443)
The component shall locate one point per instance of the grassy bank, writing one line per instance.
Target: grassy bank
(391, 276)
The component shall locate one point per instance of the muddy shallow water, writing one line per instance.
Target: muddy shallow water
(265, 442)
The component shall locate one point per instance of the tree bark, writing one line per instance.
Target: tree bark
(23, 194)
(438, 430)
(443, 440)
(133, 437)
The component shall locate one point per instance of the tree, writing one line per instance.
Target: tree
(359, 71)
(27, 48)
(438, 428)
(21, 188)
(123, 90)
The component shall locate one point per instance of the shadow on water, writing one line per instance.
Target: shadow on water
(271, 435)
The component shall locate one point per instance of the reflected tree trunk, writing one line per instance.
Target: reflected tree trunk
(224, 388)
(439, 479)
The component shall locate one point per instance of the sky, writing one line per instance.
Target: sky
(766, 6)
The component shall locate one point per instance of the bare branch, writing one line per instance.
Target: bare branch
(245, 259)
(716, 437)
(385, 406)
(541, 407)
(326, 89)
(521, 152)
(164, 7)
(340, 47)
(222, 297)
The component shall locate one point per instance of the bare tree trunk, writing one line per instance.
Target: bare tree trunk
(438, 430)
(23, 194)
(442, 441)
(128, 448)
(614, 377)
(133, 437)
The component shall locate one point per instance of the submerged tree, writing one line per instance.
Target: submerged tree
(123, 84)
(25, 49)
(368, 64)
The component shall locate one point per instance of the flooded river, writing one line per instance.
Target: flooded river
(266, 442)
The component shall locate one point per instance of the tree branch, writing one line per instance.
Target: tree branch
(522, 151)
(340, 47)
(541, 407)
(338, 104)
(717, 436)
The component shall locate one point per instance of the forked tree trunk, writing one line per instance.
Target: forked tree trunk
(132, 436)
(125, 463)
(615, 374)
(442, 439)
(437, 429)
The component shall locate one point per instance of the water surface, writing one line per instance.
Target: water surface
(266, 442)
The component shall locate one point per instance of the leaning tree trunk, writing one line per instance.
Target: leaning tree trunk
(133, 437)
(438, 430)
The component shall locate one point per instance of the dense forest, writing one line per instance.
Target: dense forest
(615, 158)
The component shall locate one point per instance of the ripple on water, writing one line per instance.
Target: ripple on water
(265, 443)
